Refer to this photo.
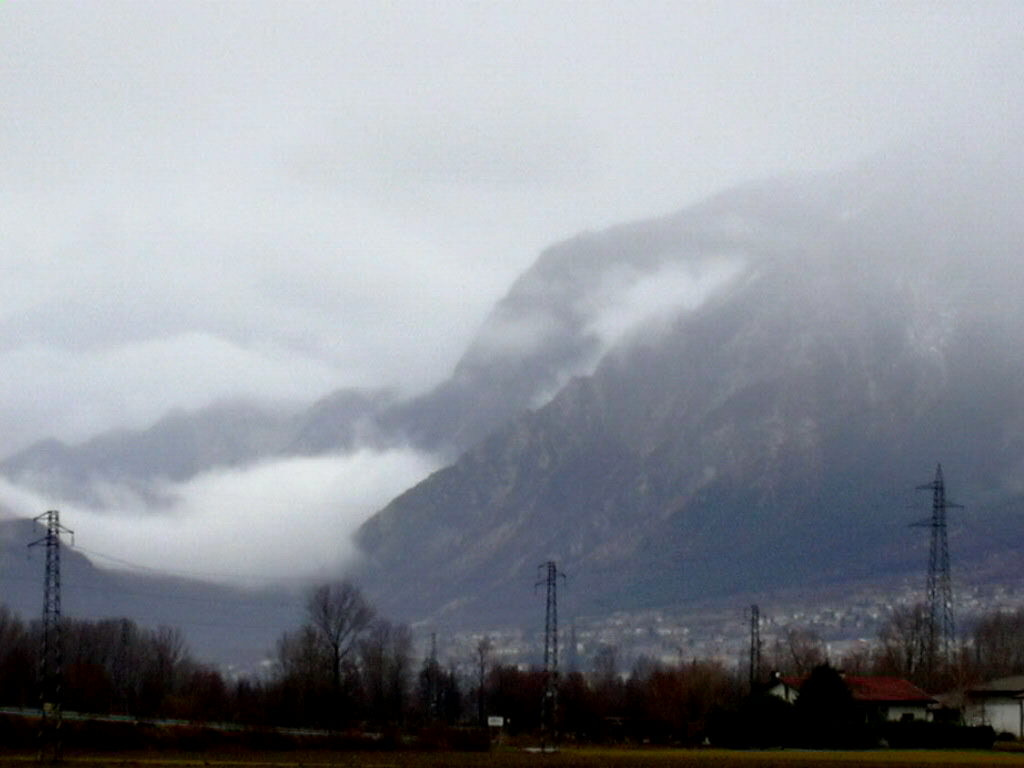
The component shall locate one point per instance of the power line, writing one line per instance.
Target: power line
(196, 575)
(168, 596)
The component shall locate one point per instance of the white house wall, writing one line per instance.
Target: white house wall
(1003, 714)
(895, 714)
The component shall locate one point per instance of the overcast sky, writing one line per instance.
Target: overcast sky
(274, 199)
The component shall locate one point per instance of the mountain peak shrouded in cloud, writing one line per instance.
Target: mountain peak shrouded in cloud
(204, 202)
(765, 437)
(751, 379)
(885, 268)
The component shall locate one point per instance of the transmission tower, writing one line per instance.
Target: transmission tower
(550, 701)
(51, 654)
(755, 647)
(940, 630)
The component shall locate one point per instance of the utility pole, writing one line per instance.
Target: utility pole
(755, 647)
(550, 701)
(51, 656)
(432, 670)
(941, 628)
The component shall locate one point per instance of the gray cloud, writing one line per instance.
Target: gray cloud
(271, 200)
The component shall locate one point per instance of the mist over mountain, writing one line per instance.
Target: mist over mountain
(175, 448)
(767, 436)
(557, 320)
(740, 396)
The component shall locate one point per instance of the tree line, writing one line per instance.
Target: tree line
(905, 648)
(346, 669)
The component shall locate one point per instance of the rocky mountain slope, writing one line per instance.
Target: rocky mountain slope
(769, 436)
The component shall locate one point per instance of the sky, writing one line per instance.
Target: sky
(272, 200)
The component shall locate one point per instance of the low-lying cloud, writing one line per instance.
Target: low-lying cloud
(276, 521)
(656, 297)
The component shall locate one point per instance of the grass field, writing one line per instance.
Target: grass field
(566, 758)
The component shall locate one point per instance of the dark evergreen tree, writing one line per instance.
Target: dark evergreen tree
(826, 714)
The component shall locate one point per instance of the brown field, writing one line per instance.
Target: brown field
(566, 758)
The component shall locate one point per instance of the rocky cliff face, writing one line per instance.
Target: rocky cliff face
(767, 435)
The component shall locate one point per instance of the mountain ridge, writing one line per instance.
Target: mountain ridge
(762, 429)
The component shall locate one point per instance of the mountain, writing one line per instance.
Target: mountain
(737, 397)
(556, 321)
(768, 435)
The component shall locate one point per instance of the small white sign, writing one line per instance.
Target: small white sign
(496, 722)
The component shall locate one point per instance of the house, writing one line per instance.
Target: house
(999, 703)
(881, 699)
(785, 687)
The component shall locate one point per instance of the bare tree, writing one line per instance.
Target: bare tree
(997, 650)
(483, 654)
(301, 656)
(17, 660)
(797, 651)
(385, 652)
(163, 657)
(903, 642)
(338, 614)
(168, 649)
(605, 666)
(858, 660)
(608, 686)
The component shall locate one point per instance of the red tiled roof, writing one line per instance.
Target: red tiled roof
(884, 689)
(873, 688)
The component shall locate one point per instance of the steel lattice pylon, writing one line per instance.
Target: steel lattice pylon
(941, 626)
(51, 654)
(550, 701)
